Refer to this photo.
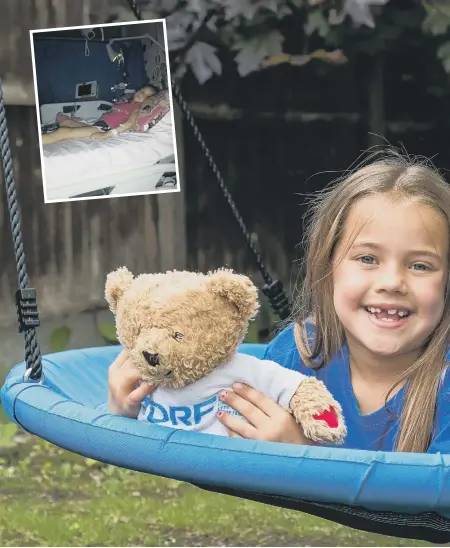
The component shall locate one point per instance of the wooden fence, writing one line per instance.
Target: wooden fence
(71, 247)
(277, 136)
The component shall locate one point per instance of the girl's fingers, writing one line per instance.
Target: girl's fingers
(247, 409)
(119, 361)
(128, 374)
(258, 399)
(238, 428)
(232, 434)
(140, 393)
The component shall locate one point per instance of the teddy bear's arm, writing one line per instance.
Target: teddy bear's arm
(305, 397)
(268, 377)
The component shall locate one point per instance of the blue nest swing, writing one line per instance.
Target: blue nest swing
(62, 399)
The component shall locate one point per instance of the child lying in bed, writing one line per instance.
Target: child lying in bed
(144, 110)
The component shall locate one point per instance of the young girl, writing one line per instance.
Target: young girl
(372, 321)
(122, 117)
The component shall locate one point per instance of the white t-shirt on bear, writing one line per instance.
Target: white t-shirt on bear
(195, 406)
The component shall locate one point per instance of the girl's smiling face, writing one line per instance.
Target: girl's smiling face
(389, 286)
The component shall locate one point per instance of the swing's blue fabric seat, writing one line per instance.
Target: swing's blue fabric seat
(68, 408)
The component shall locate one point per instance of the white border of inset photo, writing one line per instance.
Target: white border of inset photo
(82, 145)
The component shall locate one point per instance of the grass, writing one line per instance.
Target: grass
(49, 497)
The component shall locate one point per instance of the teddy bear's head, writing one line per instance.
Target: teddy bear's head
(179, 326)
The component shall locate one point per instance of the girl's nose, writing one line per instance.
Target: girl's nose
(391, 279)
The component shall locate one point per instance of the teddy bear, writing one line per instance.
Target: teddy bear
(182, 331)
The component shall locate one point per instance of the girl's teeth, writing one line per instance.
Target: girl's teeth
(391, 312)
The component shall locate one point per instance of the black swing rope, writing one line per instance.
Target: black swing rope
(25, 296)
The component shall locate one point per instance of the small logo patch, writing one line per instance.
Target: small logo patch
(222, 406)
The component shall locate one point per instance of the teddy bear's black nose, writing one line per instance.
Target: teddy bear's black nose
(151, 359)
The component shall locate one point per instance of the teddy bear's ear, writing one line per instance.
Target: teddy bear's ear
(117, 283)
(239, 290)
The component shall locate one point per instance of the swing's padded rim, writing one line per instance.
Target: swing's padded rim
(69, 410)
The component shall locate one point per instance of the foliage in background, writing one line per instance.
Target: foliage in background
(264, 33)
(8, 432)
(108, 331)
(59, 338)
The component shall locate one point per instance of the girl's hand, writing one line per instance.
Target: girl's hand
(124, 396)
(267, 421)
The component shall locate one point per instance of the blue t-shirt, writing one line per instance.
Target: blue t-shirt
(374, 432)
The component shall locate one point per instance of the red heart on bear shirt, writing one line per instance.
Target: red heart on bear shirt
(329, 416)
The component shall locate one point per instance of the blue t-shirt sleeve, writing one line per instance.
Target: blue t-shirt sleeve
(283, 350)
(441, 435)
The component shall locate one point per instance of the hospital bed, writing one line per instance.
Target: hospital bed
(129, 163)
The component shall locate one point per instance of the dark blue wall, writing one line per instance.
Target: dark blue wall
(61, 64)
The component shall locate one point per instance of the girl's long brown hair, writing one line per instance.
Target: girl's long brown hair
(397, 177)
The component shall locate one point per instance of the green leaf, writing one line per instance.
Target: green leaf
(253, 52)
(334, 37)
(108, 331)
(7, 433)
(443, 54)
(444, 50)
(436, 22)
(59, 338)
(446, 65)
(316, 23)
(440, 6)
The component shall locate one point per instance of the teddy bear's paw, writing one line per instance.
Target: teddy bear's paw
(327, 426)
(329, 416)
(319, 431)
(319, 414)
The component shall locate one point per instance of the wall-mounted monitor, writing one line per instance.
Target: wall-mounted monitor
(86, 90)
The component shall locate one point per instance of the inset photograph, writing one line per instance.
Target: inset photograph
(105, 111)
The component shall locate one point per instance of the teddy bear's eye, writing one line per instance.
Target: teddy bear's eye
(177, 335)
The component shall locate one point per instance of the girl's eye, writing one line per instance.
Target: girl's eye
(367, 259)
(422, 267)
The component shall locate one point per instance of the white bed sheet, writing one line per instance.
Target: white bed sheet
(136, 181)
(68, 163)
